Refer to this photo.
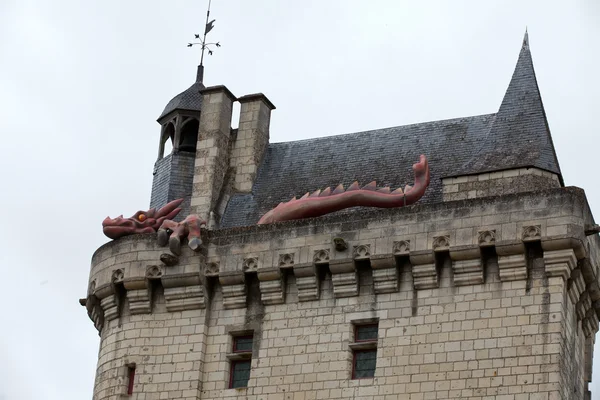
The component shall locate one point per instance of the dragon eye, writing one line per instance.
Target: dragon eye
(142, 217)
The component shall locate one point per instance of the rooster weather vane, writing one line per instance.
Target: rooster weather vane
(203, 44)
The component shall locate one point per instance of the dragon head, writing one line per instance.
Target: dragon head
(141, 222)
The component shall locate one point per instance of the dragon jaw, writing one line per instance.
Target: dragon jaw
(140, 222)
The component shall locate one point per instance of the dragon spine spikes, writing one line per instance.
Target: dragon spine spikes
(354, 186)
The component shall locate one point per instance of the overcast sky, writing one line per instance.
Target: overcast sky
(82, 83)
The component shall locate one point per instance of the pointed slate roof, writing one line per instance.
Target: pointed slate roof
(516, 136)
(190, 99)
(520, 136)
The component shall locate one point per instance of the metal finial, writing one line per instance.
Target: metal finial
(203, 44)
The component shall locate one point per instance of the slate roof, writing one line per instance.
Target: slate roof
(516, 136)
(520, 136)
(190, 99)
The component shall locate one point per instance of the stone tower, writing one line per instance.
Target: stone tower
(487, 288)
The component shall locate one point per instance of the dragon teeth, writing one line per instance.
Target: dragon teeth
(407, 188)
(354, 186)
(398, 191)
(325, 192)
(339, 189)
(316, 193)
(370, 186)
(305, 196)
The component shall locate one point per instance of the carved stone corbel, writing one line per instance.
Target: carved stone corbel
(560, 263)
(138, 295)
(307, 281)
(108, 301)
(233, 284)
(271, 285)
(424, 271)
(466, 265)
(385, 274)
(344, 278)
(183, 292)
(511, 260)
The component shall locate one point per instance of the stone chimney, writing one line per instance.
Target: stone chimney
(212, 150)
(252, 139)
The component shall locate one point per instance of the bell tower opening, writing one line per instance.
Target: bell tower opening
(166, 140)
(189, 135)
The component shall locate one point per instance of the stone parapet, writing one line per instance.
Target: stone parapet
(132, 263)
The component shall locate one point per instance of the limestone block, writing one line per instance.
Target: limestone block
(344, 278)
(233, 285)
(385, 274)
(271, 286)
(466, 265)
(424, 270)
(307, 282)
(511, 261)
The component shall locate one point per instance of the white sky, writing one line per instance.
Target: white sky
(82, 83)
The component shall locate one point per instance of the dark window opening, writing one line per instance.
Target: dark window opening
(364, 364)
(189, 136)
(130, 379)
(240, 373)
(364, 333)
(242, 344)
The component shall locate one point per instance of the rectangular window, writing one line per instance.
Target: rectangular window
(240, 373)
(364, 363)
(364, 351)
(242, 344)
(241, 360)
(365, 333)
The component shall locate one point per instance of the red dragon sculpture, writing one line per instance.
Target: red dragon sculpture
(327, 201)
(141, 222)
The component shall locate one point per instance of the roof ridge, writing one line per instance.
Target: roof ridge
(384, 129)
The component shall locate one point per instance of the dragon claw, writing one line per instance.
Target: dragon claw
(189, 228)
(195, 243)
(175, 245)
(163, 237)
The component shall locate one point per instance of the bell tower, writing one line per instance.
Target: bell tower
(179, 121)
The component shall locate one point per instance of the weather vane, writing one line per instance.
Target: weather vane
(205, 46)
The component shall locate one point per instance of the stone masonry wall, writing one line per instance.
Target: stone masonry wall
(498, 183)
(474, 299)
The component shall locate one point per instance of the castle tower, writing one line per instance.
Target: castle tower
(489, 288)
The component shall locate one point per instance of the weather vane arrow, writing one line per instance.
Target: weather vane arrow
(203, 43)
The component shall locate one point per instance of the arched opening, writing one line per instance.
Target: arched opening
(166, 140)
(189, 135)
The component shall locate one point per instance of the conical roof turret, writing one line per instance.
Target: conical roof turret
(520, 135)
(188, 100)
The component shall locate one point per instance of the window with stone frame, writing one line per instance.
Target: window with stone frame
(364, 350)
(241, 360)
